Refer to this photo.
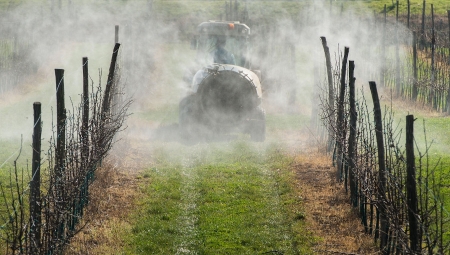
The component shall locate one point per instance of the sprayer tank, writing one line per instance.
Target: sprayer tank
(227, 90)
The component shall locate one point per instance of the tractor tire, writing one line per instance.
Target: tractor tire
(258, 125)
(187, 120)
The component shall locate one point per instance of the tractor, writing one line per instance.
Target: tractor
(224, 96)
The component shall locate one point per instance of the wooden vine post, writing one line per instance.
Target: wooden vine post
(352, 136)
(340, 136)
(60, 153)
(116, 34)
(433, 93)
(448, 18)
(85, 117)
(384, 224)
(415, 76)
(408, 13)
(60, 124)
(110, 82)
(448, 90)
(411, 189)
(330, 91)
(383, 51)
(422, 31)
(398, 87)
(35, 183)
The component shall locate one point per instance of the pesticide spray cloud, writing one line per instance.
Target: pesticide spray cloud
(36, 39)
(155, 54)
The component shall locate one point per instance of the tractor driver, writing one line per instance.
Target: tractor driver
(220, 54)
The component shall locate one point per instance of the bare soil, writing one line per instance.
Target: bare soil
(112, 199)
(329, 214)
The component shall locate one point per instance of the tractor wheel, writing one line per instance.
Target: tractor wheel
(187, 120)
(258, 125)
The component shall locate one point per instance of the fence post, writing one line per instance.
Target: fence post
(340, 119)
(330, 91)
(434, 102)
(396, 11)
(60, 154)
(398, 87)
(414, 89)
(448, 90)
(116, 34)
(231, 10)
(422, 31)
(35, 183)
(85, 117)
(226, 10)
(413, 211)
(245, 15)
(433, 41)
(448, 99)
(60, 144)
(448, 19)
(352, 136)
(384, 224)
(110, 81)
(383, 51)
(236, 13)
(409, 13)
(60, 121)
(292, 67)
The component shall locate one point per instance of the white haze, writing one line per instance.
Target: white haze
(152, 56)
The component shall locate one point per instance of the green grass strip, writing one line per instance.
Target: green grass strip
(235, 199)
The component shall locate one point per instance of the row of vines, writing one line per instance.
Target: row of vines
(43, 211)
(414, 56)
(392, 183)
(399, 203)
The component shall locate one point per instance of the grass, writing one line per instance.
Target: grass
(429, 126)
(294, 8)
(215, 200)
(173, 9)
(431, 130)
(440, 6)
